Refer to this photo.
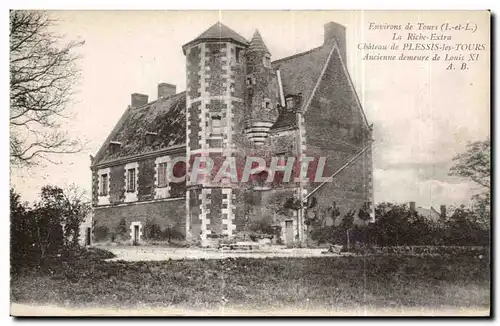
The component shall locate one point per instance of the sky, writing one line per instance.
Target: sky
(422, 114)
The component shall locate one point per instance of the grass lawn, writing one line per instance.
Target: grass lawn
(326, 284)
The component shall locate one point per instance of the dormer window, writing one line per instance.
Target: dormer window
(114, 146)
(150, 137)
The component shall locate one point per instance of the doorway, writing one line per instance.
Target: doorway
(88, 235)
(135, 236)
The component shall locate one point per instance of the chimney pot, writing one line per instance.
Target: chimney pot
(443, 210)
(166, 90)
(138, 100)
(336, 32)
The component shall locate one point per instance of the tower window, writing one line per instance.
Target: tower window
(238, 55)
(267, 61)
(216, 127)
(267, 103)
(250, 81)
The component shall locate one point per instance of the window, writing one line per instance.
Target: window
(238, 55)
(267, 103)
(216, 125)
(267, 61)
(290, 103)
(250, 81)
(131, 180)
(104, 184)
(162, 175)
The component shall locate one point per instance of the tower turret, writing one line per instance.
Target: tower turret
(261, 91)
(214, 103)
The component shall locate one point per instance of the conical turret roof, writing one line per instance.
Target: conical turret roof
(217, 32)
(257, 43)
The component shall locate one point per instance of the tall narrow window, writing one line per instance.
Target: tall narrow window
(238, 55)
(131, 180)
(104, 184)
(162, 175)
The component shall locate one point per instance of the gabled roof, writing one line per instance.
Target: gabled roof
(217, 32)
(164, 118)
(299, 74)
(303, 72)
(257, 43)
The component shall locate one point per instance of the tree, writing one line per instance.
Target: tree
(346, 225)
(51, 227)
(42, 74)
(475, 164)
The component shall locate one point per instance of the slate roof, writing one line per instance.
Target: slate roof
(218, 31)
(257, 43)
(299, 74)
(166, 117)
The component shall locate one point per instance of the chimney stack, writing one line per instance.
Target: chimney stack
(166, 90)
(138, 100)
(412, 206)
(336, 32)
(443, 211)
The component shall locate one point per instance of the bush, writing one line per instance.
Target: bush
(152, 231)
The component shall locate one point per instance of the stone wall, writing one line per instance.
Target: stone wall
(335, 128)
(170, 213)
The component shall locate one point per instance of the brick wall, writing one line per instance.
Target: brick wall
(145, 185)
(168, 213)
(335, 128)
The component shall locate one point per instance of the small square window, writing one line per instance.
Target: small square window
(267, 104)
(216, 125)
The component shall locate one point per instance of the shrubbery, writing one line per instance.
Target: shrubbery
(37, 233)
(397, 225)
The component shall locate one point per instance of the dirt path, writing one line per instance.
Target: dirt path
(147, 253)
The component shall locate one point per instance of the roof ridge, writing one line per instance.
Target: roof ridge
(165, 98)
(218, 31)
(293, 56)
